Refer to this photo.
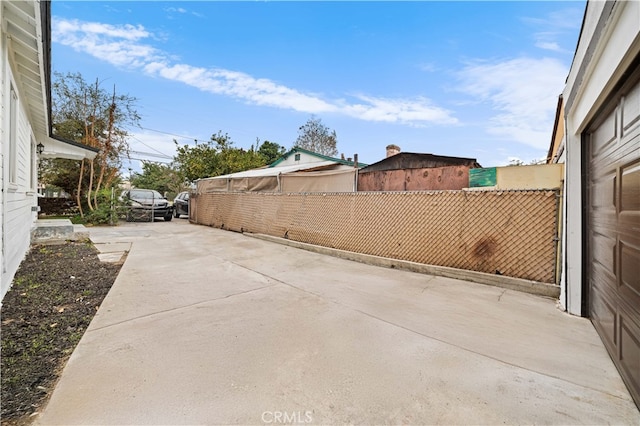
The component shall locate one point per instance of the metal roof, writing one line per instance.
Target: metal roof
(415, 160)
(275, 171)
(296, 149)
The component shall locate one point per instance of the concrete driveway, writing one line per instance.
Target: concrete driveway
(205, 326)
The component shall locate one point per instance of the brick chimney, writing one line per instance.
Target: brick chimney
(392, 150)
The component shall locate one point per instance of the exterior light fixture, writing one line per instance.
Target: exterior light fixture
(40, 148)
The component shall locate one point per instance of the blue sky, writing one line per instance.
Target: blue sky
(469, 79)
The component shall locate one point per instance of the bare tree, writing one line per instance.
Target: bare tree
(86, 113)
(315, 136)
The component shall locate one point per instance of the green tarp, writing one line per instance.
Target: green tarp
(482, 177)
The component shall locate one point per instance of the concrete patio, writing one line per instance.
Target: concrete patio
(205, 326)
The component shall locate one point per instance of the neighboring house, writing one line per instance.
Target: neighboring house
(601, 151)
(299, 155)
(298, 170)
(407, 171)
(25, 130)
(556, 148)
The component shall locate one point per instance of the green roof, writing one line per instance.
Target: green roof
(315, 154)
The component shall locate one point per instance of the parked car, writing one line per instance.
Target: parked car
(146, 204)
(181, 204)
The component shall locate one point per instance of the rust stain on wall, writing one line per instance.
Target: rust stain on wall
(485, 248)
(423, 179)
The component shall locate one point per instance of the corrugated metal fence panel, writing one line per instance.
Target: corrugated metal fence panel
(507, 232)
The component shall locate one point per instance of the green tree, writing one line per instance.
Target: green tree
(89, 114)
(270, 151)
(519, 162)
(164, 178)
(215, 157)
(61, 173)
(315, 136)
(232, 160)
(196, 161)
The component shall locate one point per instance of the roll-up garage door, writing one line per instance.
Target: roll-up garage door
(612, 229)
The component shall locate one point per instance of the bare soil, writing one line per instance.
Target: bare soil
(55, 294)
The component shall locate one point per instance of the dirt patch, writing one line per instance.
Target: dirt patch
(55, 294)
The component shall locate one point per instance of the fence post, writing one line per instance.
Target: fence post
(111, 208)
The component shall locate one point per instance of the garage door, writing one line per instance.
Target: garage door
(612, 231)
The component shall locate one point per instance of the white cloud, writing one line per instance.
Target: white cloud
(552, 28)
(522, 91)
(161, 146)
(176, 10)
(121, 46)
(150, 146)
(549, 45)
(427, 67)
(173, 10)
(410, 111)
(563, 19)
(114, 44)
(125, 32)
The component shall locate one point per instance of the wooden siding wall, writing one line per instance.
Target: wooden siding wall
(17, 197)
(4, 286)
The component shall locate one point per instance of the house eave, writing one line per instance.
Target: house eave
(20, 21)
(55, 147)
(28, 28)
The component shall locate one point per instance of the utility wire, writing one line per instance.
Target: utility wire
(171, 134)
(188, 137)
(145, 159)
(149, 146)
(151, 154)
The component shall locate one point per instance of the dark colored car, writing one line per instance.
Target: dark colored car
(181, 204)
(145, 204)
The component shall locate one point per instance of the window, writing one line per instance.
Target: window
(297, 157)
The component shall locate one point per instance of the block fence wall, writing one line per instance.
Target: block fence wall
(512, 233)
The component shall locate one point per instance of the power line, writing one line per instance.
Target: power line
(127, 157)
(170, 134)
(151, 154)
(196, 140)
(149, 146)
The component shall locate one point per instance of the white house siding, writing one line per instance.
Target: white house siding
(24, 66)
(18, 197)
(609, 42)
(562, 158)
(304, 159)
(3, 79)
